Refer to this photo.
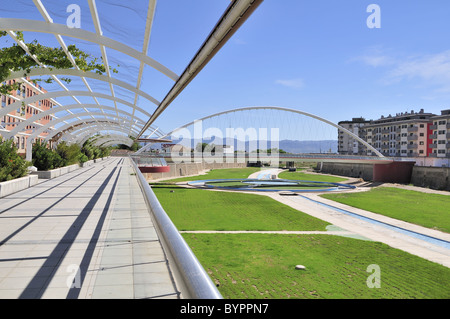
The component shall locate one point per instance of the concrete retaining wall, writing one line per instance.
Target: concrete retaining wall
(187, 169)
(364, 171)
(18, 184)
(431, 177)
(56, 172)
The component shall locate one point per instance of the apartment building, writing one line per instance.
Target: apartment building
(403, 135)
(348, 145)
(13, 118)
(440, 135)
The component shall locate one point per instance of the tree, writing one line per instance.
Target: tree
(45, 159)
(15, 58)
(12, 165)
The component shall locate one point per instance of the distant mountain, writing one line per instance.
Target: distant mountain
(326, 146)
(290, 146)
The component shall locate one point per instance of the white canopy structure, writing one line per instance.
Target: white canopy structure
(122, 106)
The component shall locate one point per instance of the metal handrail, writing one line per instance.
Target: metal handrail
(193, 279)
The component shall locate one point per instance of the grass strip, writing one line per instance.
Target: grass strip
(254, 266)
(424, 209)
(198, 209)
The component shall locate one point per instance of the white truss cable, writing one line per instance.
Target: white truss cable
(148, 31)
(60, 40)
(98, 30)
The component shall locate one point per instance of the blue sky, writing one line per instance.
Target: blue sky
(320, 57)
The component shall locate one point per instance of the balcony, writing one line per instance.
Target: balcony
(448, 125)
(433, 136)
(413, 129)
(433, 127)
(433, 145)
(412, 146)
(412, 137)
(448, 135)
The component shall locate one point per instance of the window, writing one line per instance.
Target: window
(441, 151)
(421, 143)
(441, 132)
(441, 142)
(421, 152)
(421, 126)
(441, 122)
(421, 134)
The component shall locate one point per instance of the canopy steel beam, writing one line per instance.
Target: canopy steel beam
(235, 15)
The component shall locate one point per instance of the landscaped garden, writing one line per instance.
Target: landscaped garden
(252, 265)
(219, 174)
(263, 266)
(305, 176)
(428, 210)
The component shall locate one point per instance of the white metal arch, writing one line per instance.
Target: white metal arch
(111, 124)
(356, 137)
(94, 128)
(81, 74)
(50, 95)
(118, 139)
(7, 24)
(75, 136)
(62, 128)
(78, 133)
(114, 143)
(29, 122)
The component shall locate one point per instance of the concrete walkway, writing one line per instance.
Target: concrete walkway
(86, 234)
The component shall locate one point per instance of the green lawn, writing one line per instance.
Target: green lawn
(198, 209)
(263, 266)
(310, 177)
(255, 266)
(224, 173)
(428, 210)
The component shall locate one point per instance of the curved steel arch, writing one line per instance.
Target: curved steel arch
(84, 137)
(68, 117)
(113, 125)
(82, 133)
(81, 74)
(29, 122)
(49, 95)
(356, 137)
(75, 136)
(7, 24)
(123, 140)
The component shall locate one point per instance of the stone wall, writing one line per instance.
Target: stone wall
(188, 169)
